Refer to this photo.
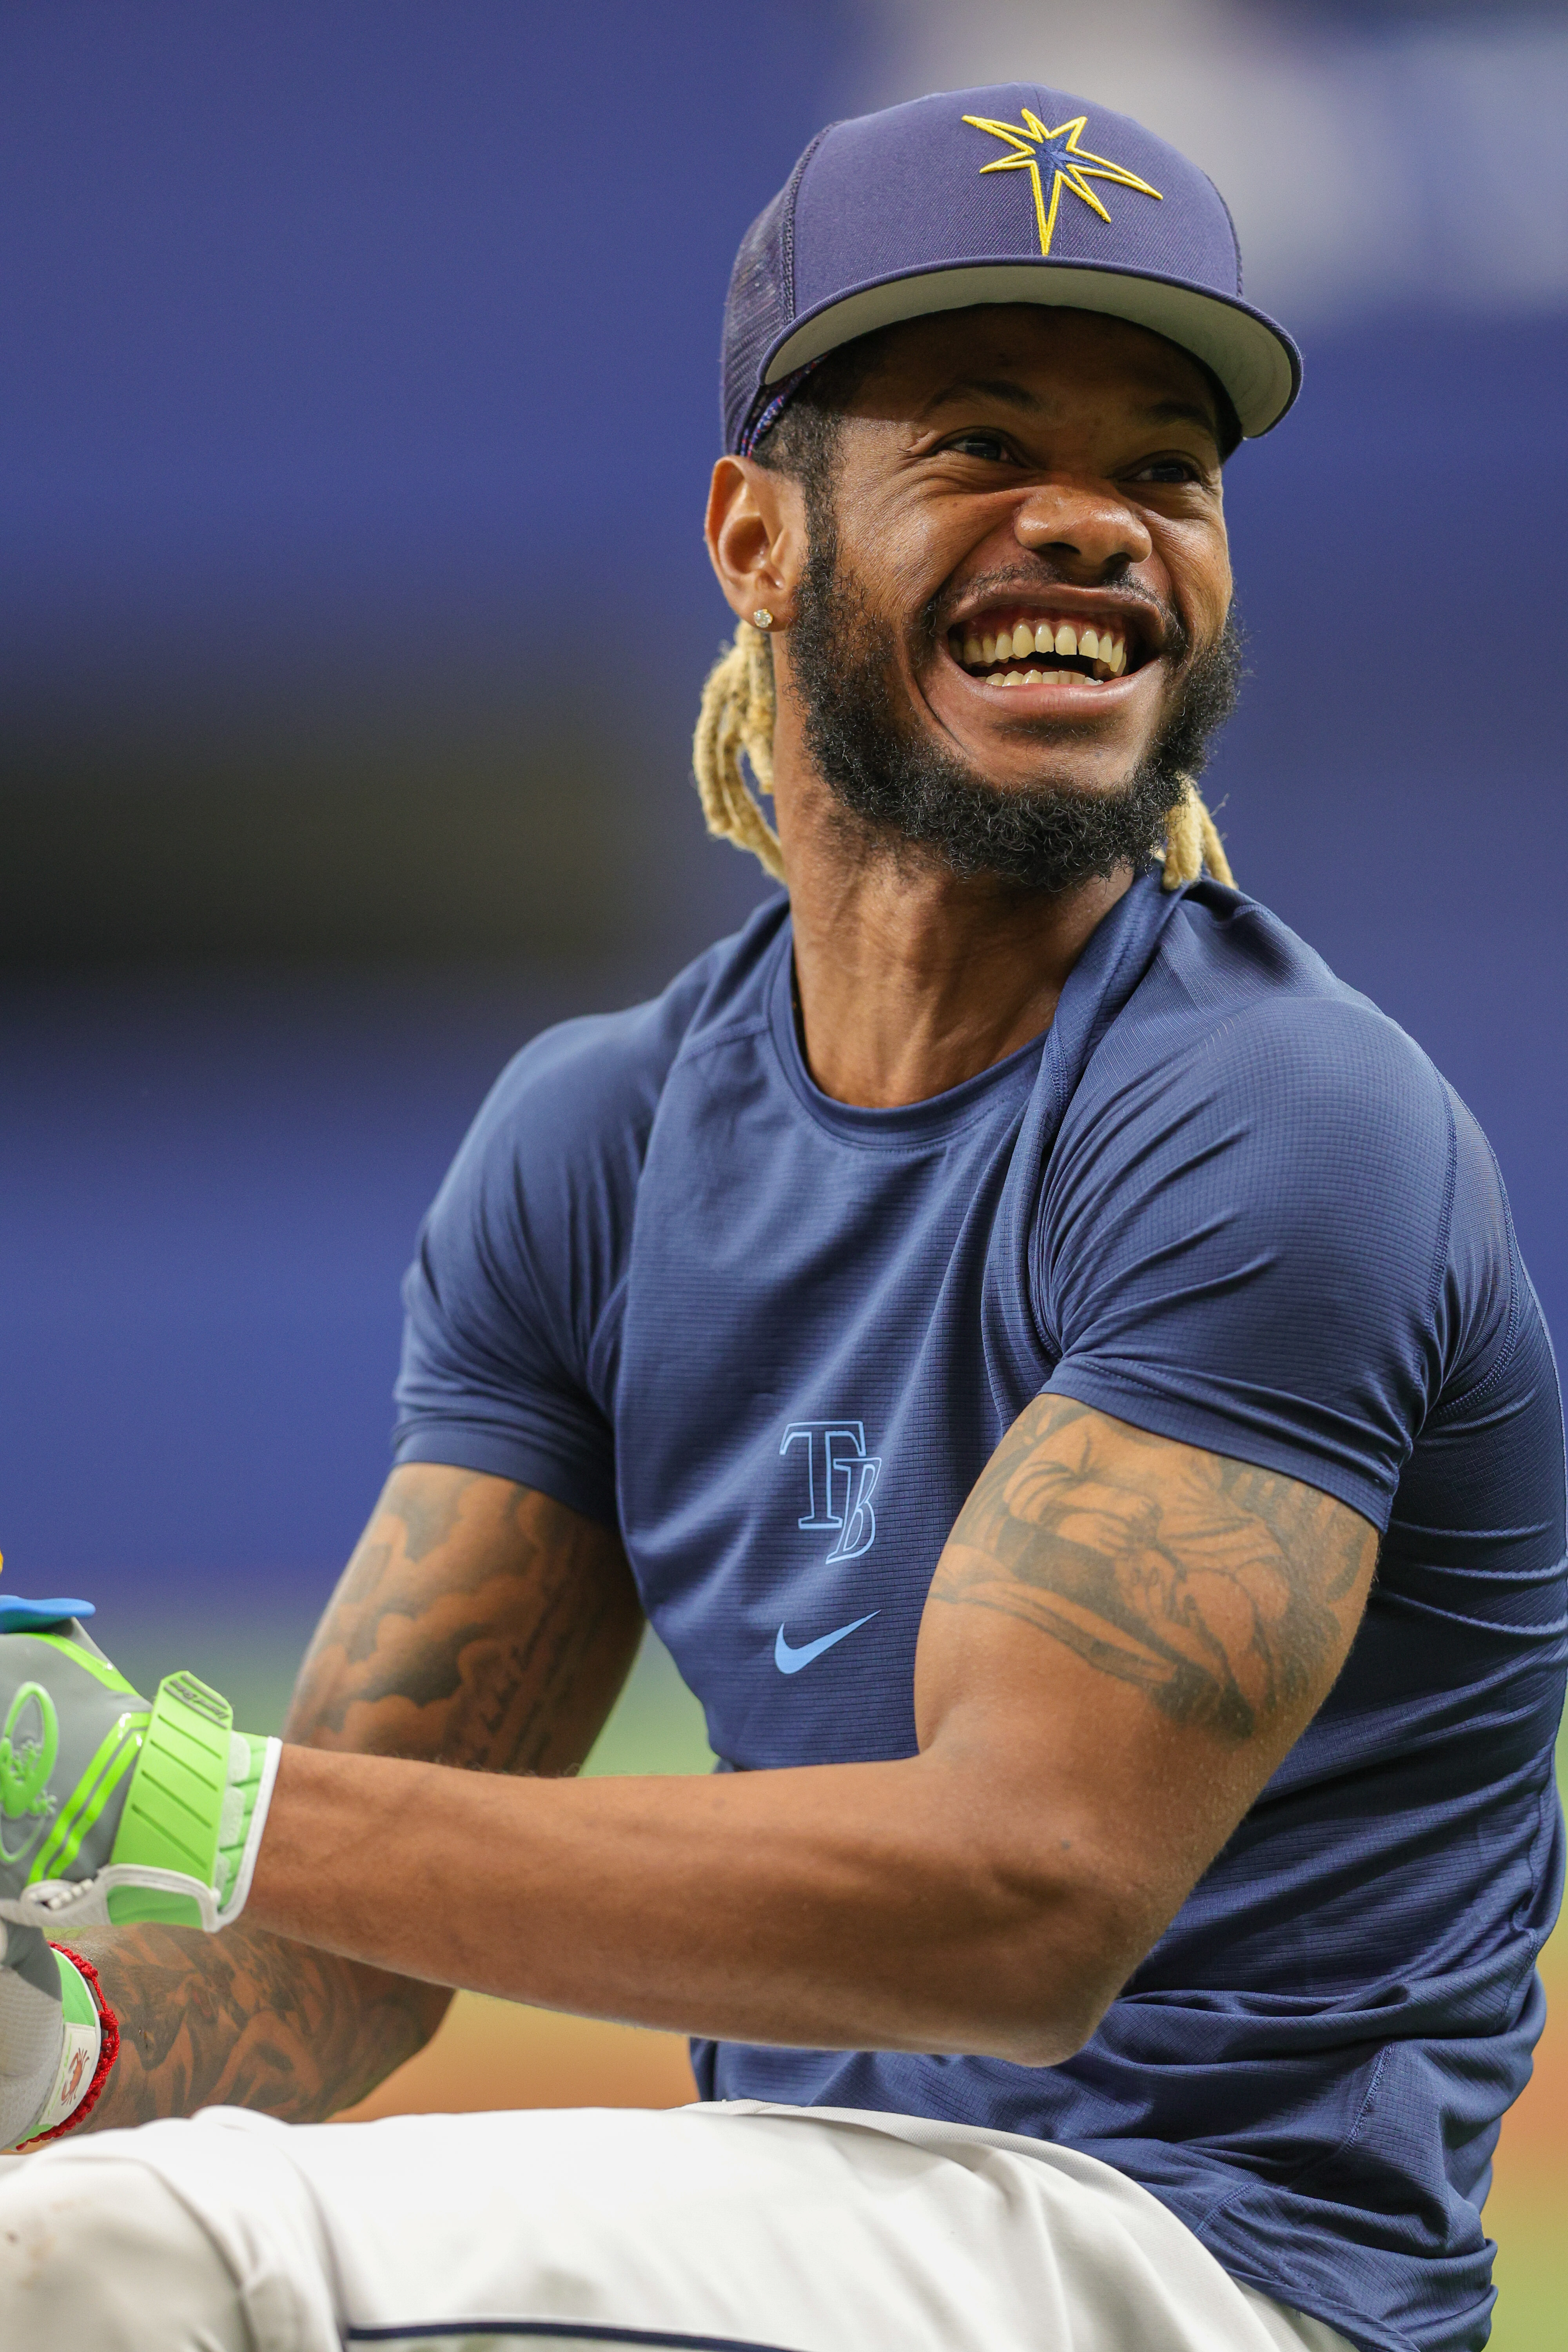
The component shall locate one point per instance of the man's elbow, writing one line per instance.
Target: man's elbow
(1045, 2031)
(1048, 2037)
(1059, 1955)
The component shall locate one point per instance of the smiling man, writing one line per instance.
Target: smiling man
(1055, 1367)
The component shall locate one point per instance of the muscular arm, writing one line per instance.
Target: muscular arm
(478, 1624)
(1123, 1637)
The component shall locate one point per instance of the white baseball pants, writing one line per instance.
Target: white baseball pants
(733, 2228)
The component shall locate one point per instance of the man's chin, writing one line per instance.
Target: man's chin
(1055, 767)
(1050, 834)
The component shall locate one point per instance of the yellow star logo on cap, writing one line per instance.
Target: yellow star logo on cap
(1070, 165)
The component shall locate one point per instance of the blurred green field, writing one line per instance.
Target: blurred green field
(1527, 2212)
(495, 2054)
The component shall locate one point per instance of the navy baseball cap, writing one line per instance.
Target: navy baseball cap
(1013, 194)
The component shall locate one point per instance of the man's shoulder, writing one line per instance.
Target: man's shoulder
(1233, 1051)
(593, 1084)
(1234, 998)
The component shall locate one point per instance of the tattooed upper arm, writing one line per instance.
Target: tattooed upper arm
(1224, 1592)
(1131, 1633)
(478, 1623)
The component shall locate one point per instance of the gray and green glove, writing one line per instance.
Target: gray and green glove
(112, 1811)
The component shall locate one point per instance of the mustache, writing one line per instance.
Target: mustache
(1032, 579)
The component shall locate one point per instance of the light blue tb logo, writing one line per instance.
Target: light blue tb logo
(840, 1479)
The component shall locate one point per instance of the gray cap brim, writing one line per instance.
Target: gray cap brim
(1255, 361)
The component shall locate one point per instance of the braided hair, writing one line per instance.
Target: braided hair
(737, 719)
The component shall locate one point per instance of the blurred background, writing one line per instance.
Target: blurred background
(359, 399)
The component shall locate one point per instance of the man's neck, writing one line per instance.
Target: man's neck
(910, 979)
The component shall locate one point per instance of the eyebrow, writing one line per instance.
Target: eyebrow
(993, 387)
(1183, 412)
(1018, 395)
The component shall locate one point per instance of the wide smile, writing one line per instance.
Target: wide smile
(1030, 647)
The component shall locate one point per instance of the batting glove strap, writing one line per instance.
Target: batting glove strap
(194, 1820)
(112, 1811)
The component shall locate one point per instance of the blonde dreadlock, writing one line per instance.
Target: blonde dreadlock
(737, 717)
(1193, 842)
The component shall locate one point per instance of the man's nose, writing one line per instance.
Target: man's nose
(1084, 529)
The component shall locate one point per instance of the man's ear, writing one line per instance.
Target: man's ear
(756, 538)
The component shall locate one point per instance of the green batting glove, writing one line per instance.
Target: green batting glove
(112, 1811)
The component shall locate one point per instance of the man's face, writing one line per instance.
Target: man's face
(1028, 524)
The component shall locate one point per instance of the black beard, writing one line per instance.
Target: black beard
(909, 793)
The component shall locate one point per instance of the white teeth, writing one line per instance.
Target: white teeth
(1064, 639)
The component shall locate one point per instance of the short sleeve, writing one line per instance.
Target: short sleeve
(507, 1357)
(1244, 1248)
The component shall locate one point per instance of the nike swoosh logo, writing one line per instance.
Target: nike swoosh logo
(790, 1662)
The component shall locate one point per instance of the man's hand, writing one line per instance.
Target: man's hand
(480, 1623)
(112, 1810)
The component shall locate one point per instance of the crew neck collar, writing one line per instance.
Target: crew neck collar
(1097, 984)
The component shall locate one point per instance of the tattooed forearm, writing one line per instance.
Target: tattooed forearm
(247, 2020)
(478, 1623)
(1216, 1586)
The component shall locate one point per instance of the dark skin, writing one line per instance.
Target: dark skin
(1123, 1635)
(1038, 458)
(479, 1625)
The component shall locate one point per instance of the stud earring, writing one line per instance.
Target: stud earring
(762, 617)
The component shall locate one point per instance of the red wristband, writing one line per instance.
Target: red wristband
(108, 2049)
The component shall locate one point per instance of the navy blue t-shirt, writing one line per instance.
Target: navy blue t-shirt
(775, 1339)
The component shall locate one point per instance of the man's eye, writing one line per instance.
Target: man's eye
(990, 446)
(1168, 470)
